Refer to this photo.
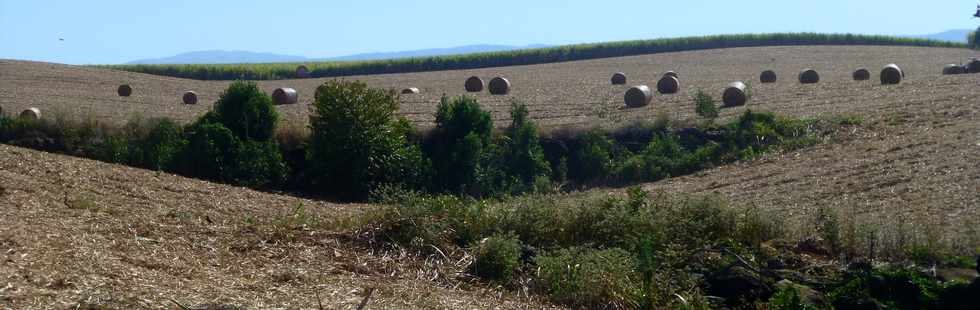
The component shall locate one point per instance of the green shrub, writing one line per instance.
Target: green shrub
(461, 144)
(705, 106)
(787, 298)
(210, 151)
(247, 112)
(496, 258)
(593, 160)
(258, 164)
(358, 143)
(523, 157)
(588, 278)
(159, 147)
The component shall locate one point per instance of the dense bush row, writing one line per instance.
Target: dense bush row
(520, 57)
(359, 144)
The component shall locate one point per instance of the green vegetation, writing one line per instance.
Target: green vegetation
(520, 57)
(705, 106)
(971, 39)
(359, 143)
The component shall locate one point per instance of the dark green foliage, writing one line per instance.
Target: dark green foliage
(971, 39)
(496, 258)
(247, 112)
(520, 57)
(903, 288)
(160, 146)
(705, 106)
(460, 146)
(594, 157)
(210, 151)
(523, 157)
(787, 298)
(358, 143)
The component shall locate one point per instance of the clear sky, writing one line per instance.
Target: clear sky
(111, 31)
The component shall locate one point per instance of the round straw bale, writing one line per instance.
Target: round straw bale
(973, 66)
(31, 114)
(668, 85)
(891, 74)
(768, 76)
(638, 96)
(809, 76)
(953, 69)
(734, 95)
(302, 72)
(673, 74)
(190, 97)
(618, 78)
(474, 84)
(499, 86)
(124, 90)
(861, 74)
(411, 90)
(284, 96)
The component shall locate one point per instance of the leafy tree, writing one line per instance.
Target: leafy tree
(462, 140)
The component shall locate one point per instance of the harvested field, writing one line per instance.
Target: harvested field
(586, 97)
(78, 233)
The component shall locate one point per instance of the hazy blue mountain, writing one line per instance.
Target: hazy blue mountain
(221, 57)
(227, 57)
(955, 35)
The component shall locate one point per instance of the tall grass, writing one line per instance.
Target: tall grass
(519, 57)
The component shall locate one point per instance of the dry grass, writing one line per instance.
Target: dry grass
(79, 233)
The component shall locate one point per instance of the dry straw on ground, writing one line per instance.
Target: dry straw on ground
(768, 76)
(861, 74)
(284, 95)
(638, 96)
(734, 95)
(891, 74)
(668, 85)
(31, 113)
(953, 69)
(618, 78)
(411, 90)
(124, 90)
(809, 76)
(190, 97)
(499, 86)
(474, 84)
(302, 72)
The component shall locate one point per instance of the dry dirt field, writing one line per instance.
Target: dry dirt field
(74, 231)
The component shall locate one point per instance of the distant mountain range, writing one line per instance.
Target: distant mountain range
(231, 57)
(955, 35)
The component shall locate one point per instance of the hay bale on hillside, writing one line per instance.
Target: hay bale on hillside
(124, 90)
(973, 66)
(499, 86)
(474, 84)
(768, 76)
(861, 74)
(638, 96)
(31, 114)
(673, 74)
(410, 90)
(953, 69)
(809, 76)
(668, 85)
(891, 74)
(284, 95)
(734, 95)
(190, 97)
(618, 78)
(302, 72)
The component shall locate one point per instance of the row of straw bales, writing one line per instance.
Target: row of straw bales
(972, 66)
(280, 96)
(735, 94)
(497, 85)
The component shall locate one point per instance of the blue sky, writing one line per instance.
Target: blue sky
(113, 31)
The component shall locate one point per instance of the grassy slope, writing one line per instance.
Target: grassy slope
(519, 57)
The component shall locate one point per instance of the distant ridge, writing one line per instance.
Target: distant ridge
(246, 57)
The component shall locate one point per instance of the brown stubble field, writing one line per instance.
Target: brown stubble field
(67, 222)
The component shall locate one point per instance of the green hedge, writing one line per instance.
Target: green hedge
(518, 57)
